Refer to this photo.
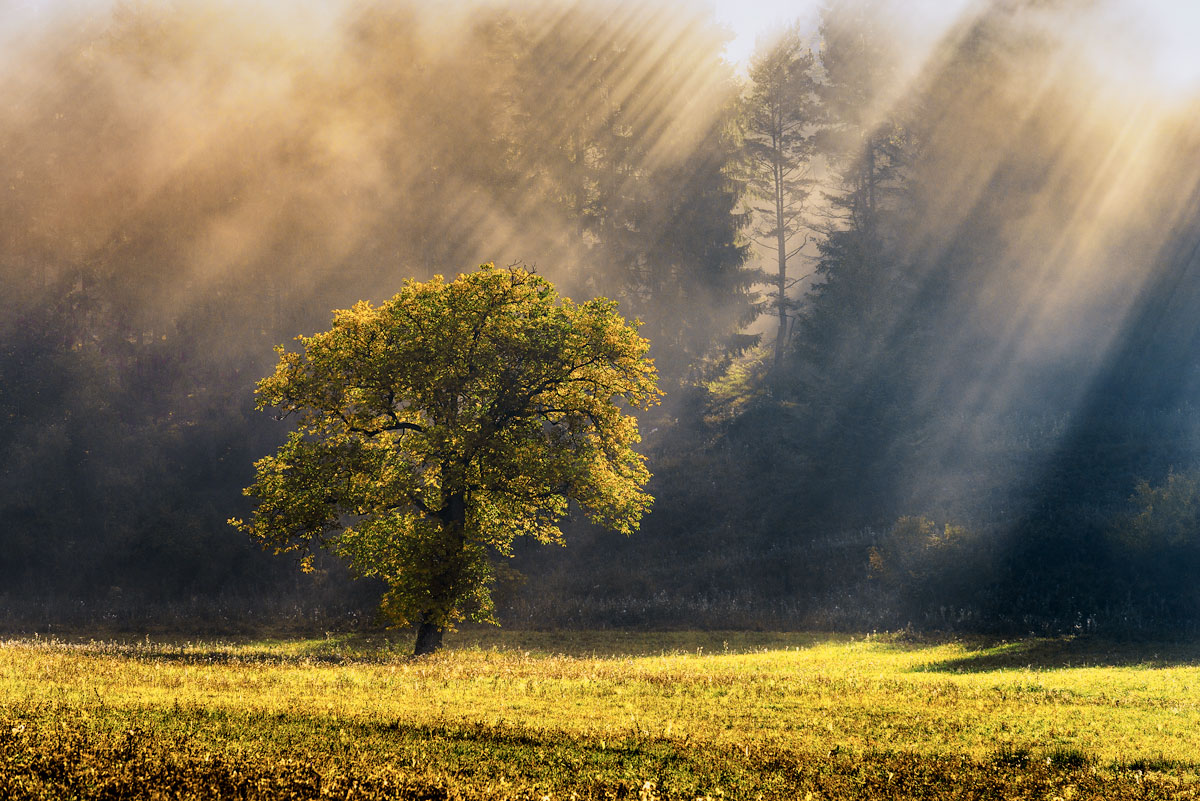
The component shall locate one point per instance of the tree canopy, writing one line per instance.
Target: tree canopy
(435, 428)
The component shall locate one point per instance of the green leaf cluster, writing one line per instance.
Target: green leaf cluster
(435, 428)
(1168, 515)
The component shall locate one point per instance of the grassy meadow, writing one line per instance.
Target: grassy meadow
(534, 715)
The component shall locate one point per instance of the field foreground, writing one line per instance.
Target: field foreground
(527, 715)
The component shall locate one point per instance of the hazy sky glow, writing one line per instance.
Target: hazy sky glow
(1159, 37)
(749, 19)
(1137, 36)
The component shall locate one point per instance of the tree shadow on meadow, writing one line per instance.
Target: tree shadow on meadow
(1064, 653)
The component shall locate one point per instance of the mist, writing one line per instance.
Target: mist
(1057, 200)
(328, 149)
(186, 186)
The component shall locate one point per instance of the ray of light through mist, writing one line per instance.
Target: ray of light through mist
(334, 149)
(265, 132)
(1094, 177)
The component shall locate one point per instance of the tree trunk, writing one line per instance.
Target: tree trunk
(781, 274)
(444, 584)
(429, 638)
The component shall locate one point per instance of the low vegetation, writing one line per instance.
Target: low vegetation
(606, 715)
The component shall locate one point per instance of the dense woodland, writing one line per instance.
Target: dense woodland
(926, 325)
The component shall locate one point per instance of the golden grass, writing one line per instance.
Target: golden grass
(604, 713)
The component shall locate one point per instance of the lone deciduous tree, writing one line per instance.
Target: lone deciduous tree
(435, 428)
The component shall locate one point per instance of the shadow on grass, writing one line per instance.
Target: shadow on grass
(381, 646)
(215, 652)
(1070, 652)
(195, 752)
(611, 644)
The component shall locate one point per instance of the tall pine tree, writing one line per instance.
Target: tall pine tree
(781, 114)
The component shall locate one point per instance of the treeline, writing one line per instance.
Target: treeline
(189, 161)
(978, 412)
(189, 185)
(978, 277)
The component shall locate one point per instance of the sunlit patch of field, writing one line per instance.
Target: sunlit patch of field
(600, 715)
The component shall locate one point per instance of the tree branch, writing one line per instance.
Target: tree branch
(397, 425)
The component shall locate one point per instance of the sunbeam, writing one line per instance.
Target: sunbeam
(954, 282)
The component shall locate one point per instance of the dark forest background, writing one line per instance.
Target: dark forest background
(967, 401)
